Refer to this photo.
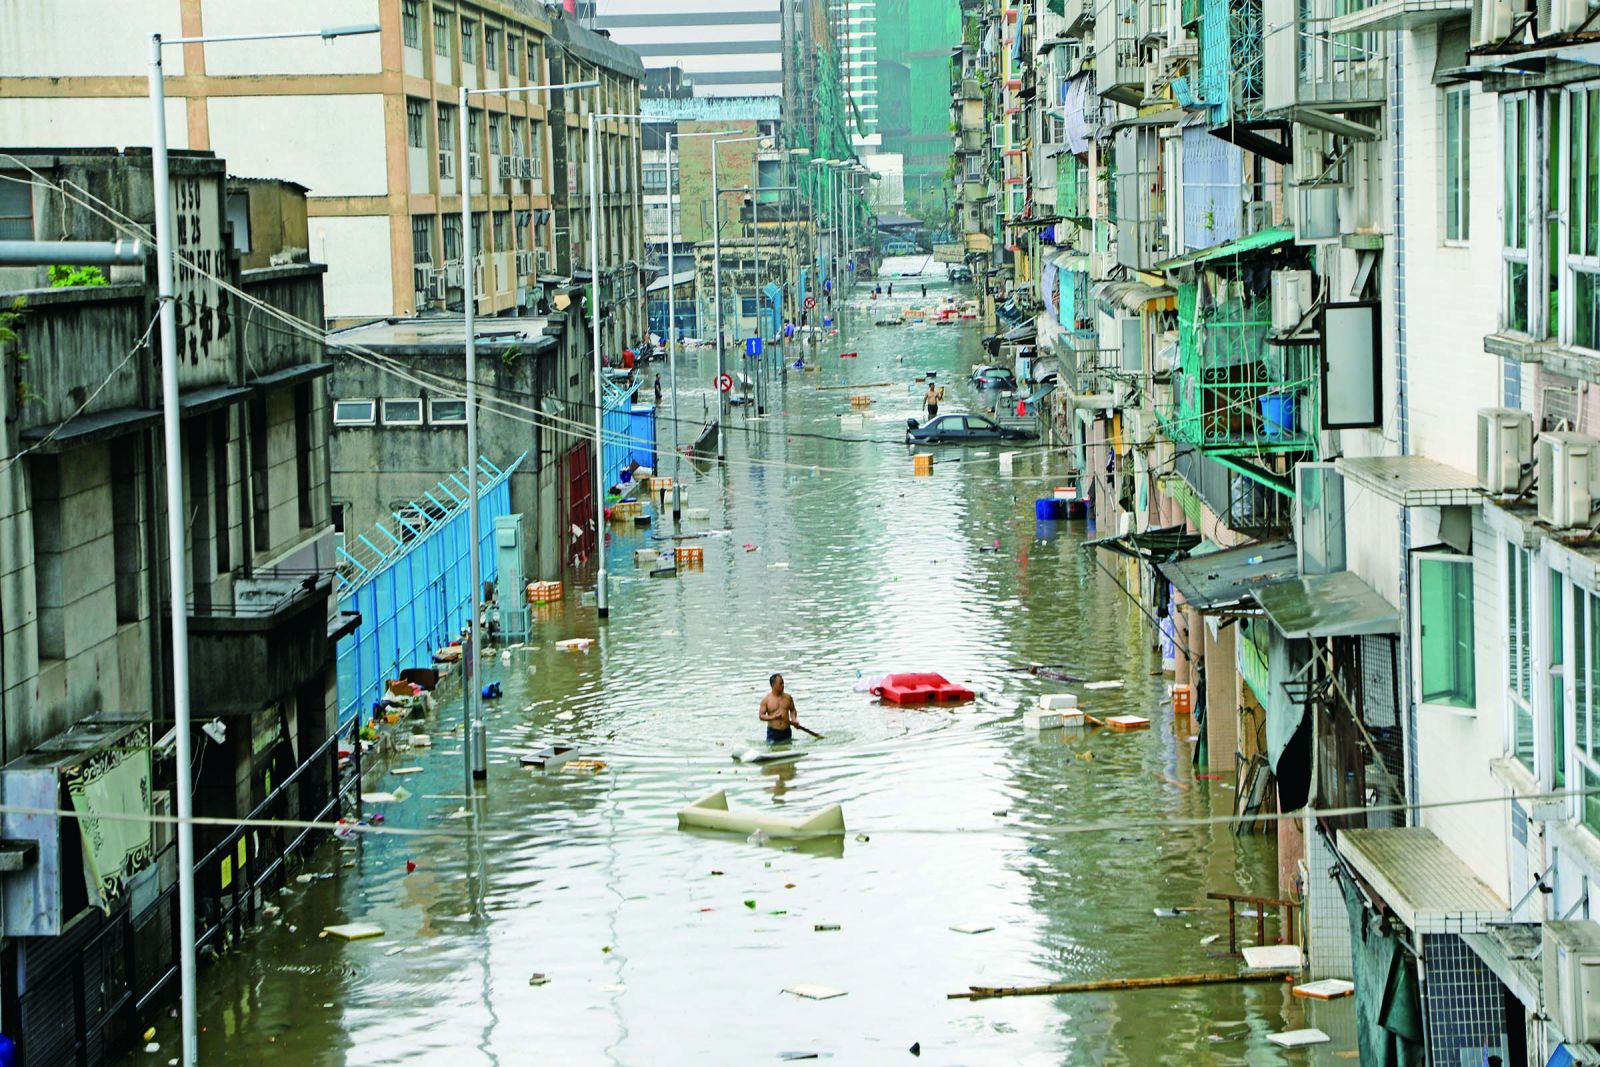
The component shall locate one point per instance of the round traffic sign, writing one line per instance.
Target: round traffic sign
(811, 302)
(725, 382)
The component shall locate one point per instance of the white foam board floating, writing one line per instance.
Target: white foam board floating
(1299, 1038)
(697, 514)
(971, 928)
(1055, 701)
(1327, 989)
(756, 755)
(353, 931)
(1045, 719)
(1114, 683)
(1273, 958)
(813, 991)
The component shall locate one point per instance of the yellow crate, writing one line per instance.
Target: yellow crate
(922, 463)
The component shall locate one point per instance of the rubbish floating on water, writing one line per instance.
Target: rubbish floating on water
(566, 716)
(758, 839)
(1127, 722)
(583, 766)
(150, 1034)
(421, 741)
(575, 644)
(394, 951)
(1057, 701)
(1038, 850)
(971, 928)
(1327, 989)
(711, 812)
(1273, 958)
(1040, 719)
(1299, 1038)
(863, 838)
(152, 1047)
(402, 771)
(1113, 684)
(750, 904)
(395, 797)
(823, 928)
(752, 548)
(411, 866)
(538, 979)
(812, 991)
(778, 566)
(797, 1055)
(550, 757)
(755, 755)
(920, 689)
(353, 931)
(916, 1048)
(1172, 913)
(1210, 939)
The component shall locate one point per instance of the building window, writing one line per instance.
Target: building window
(1586, 702)
(1581, 215)
(502, 230)
(422, 239)
(443, 412)
(1517, 131)
(654, 178)
(402, 412)
(416, 122)
(1457, 162)
(16, 208)
(536, 148)
(441, 33)
(447, 130)
(513, 48)
(1519, 654)
(1557, 644)
(1444, 600)
(354, 412)
(452, 238)
(480, 222)
(496, 135)
(469, 46)
(411, 24)
(491, 48)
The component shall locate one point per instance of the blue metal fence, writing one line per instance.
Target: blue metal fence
(414, 592)
(630, 431)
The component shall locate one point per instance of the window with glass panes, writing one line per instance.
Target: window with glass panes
(480, 222)
(1516, 138)
(1586, 703)
(416, 122)
(1581, 215)
(469, 41)
(1519, 654)
(441, 33)
(1557, 679)
(513, 50)
(536, 147)
(452, 237)
(422, 238)
(447, 129)
(1457, 162)
(502, 231)
(411, 24)
(497, 145)
(1445, 610)
(491, 48)
(474, 130)
(16, 208)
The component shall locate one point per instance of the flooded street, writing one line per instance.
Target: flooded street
(665, 947)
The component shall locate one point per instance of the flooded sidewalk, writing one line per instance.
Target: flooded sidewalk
(570, 921)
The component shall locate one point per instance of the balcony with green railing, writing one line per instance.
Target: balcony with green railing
(1231, 70)
(1232, 392)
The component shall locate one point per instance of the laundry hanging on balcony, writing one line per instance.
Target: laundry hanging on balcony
(1074, 99)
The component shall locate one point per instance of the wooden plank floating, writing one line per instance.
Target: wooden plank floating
(979, 992)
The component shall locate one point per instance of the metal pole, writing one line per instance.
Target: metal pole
(472, 731)
(755, 223)
(178, 581)
(672, 313)
(599, 414)
(78, 253)
(716, 289)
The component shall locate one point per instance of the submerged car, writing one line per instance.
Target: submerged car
(1002, 378)
(961, 429)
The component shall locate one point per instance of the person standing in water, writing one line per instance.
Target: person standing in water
(778, 712)
(930, 400)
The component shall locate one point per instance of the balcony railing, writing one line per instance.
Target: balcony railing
(1234, 393)
(1310, 66)
(1119, 57)
(1231, 59)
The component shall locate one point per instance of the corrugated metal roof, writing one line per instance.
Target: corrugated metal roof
(1327, 605)
(1269, 238)
(1222, 579)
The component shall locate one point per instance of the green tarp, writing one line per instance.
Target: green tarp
(1268, 238)
(1388, 1008)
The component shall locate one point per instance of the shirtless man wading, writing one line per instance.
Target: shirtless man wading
(777, 711)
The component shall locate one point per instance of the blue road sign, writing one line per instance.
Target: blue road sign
(752, 346)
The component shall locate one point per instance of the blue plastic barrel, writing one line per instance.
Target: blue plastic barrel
(1277, 415)
(1048, 508)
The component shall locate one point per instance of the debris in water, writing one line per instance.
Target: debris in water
(1299, 1038)
(1038, 850)
(823, 928)
(750, 904)
(916, 1048)
(812, 991)
(538, 979)
(353, 931)
(971, 928)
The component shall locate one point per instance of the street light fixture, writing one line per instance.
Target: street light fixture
(172, 427)
(474, 736)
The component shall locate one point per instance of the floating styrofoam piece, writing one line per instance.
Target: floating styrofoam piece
(385, 798)
(813, 991)
(697, 514)
(549, 758)
(1327, 989)
(645, 555)
(1299, 1038)
(1115, 683)
(1051, 718)
(1127, 722)
(1273, 958)
(403, 771)
(778, 566)
(353, 931)
(971, 928)
(1007, 459)
(575, 644)
(421, 741)
(1057, 701)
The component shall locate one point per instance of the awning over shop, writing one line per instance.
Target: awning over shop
(1411, 481)
(1167, 542)
(1268, 238)
(1222, 581)
(1130, 296)
(1327, 605)
(1071, 259)
(1420, 877)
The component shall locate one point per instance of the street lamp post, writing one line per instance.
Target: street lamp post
(716, 284)
(473, 733)
(672, 304)
(172, 427)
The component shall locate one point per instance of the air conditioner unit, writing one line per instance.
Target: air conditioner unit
(1557, 18)
(525, 263)
(544, 261)
(420, 275)
(1319, 158)
(1571, 962)
(474, 165)
(452, 275)
(505, 167)
(1291, 299)
(1492, 20)
(447, 165)
(1257, 216)
(524, 167)
(1505, 448)
(1569, 478)
(438, 285)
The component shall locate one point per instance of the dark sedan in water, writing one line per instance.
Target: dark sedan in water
(1002, 378)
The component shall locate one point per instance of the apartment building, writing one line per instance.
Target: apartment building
(87, 926)
(855, 25)
(369, 125)
(723, 48)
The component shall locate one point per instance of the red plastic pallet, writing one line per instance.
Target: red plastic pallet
(921, 689)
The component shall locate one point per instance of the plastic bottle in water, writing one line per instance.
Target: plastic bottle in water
(757, 838)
